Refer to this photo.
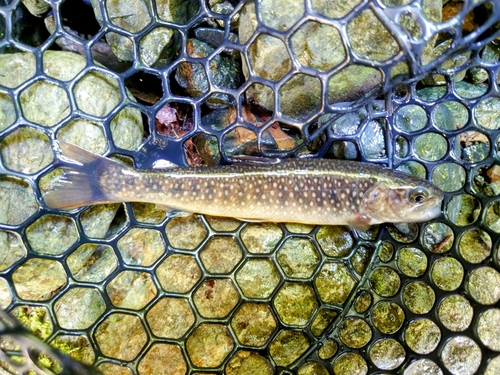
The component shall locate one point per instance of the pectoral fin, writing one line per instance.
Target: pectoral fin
(360, 222)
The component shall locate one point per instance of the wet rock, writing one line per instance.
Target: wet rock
(18, 201)
(134, 16)
(271, 59)
(242, 141)
(26, 26)
(223, 7)
(28, 150)
(224, 72)
(490, 54)
(36, 7)
(101, 51)
(159, 46)
(214, 37)
(47, 104)
(464, 89)
(456, 61)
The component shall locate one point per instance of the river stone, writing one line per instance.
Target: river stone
(270, 58)
(18, 68)
(37, 7)
(454, 62)
(133, 16)
(224, 73)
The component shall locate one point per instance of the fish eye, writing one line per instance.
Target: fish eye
(418, 195)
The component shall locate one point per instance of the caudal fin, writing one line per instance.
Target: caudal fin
(80, 183)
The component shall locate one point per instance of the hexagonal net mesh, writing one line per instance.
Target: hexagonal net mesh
(124, 289)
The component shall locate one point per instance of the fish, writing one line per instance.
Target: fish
(297, 190)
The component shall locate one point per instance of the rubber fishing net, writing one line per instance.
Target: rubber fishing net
(124, 289)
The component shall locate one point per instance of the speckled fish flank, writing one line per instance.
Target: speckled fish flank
(313, 191)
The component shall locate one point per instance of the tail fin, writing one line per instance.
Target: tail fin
(80, 183)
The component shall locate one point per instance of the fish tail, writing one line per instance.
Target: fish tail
(80, 185)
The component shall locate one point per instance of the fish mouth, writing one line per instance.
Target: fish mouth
(423, 214)
(433, 212)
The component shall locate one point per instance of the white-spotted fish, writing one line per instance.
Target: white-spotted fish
(309, 191)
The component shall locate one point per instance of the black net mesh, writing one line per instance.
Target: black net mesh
(124, 289)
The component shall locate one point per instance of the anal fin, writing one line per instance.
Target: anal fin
(172, 212)
(252, 220)
(254, 160)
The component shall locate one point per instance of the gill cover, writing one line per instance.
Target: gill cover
(377, 197)
(384, 203)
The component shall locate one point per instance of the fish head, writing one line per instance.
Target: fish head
(401, 201)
